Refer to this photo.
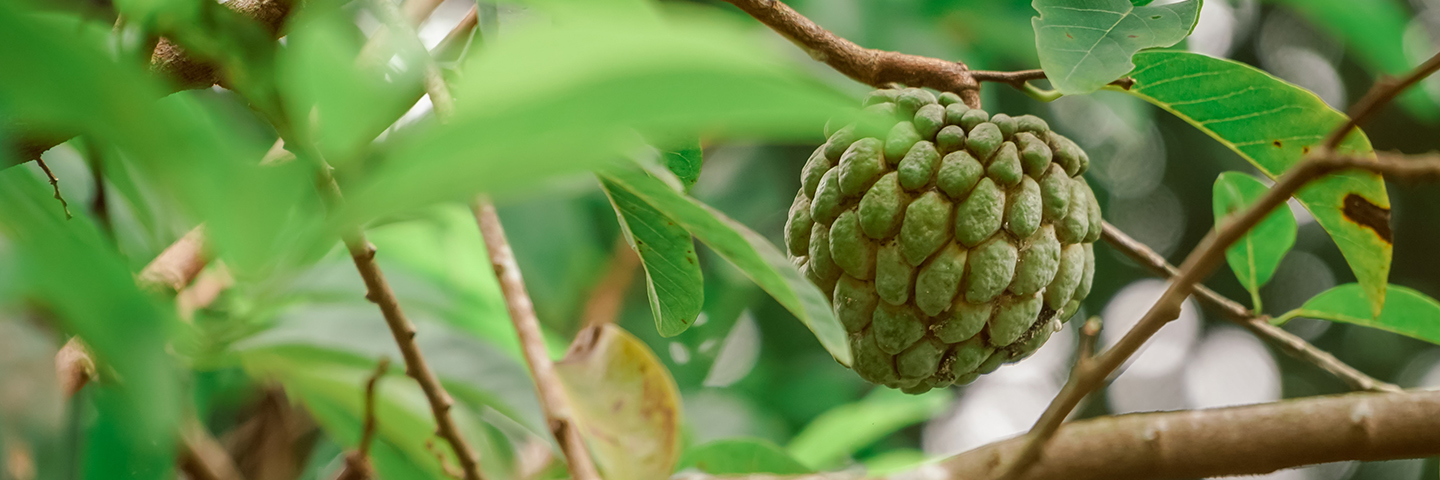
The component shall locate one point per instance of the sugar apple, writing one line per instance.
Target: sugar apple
(950, 241)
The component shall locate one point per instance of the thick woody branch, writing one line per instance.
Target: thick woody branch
(558, 415)
(1259, 325)
(1247, 440)
(1231, 441)
(877, 68)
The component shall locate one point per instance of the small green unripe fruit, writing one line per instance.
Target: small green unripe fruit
(949, 240)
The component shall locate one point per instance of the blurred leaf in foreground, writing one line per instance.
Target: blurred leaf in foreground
(844, 430)
(563, 98)
(735, 456)
(69, 268)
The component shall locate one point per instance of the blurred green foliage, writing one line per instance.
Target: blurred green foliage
(639, 92)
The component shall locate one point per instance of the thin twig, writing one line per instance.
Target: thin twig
(1089, 332)
(558, 415)
(877, 68)
(55, 184)
(377, 290)
(1259, 325)
(1380, 95)
(357, 463)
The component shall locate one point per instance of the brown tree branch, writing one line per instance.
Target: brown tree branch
(1203, 259)
(378, 291)
(1380, 95)
(1018, 78)
(1229, 441)
(1258, 325)
(178, 264)
(1245, 440)
(558, 415)
(877, 68)
(1196, 267)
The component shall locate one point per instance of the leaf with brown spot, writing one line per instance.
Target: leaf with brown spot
(1273, 125)
(625, 403)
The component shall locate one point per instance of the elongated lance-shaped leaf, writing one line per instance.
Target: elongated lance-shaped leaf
(1085, 44)
(667, 251)
(1407, 312)
(1256, 255)
(1273, 125)
(755, 256)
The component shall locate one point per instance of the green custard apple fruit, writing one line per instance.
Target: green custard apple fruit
(950, 241)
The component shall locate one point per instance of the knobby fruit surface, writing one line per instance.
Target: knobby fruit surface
(950, 241)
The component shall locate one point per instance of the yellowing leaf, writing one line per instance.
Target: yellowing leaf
(625, 403)
(1273, 124)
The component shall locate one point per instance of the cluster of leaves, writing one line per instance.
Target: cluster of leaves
(624, 90)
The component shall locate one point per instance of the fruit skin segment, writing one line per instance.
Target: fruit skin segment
(949, 240)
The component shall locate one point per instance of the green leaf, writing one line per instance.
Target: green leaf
(1407, 312)
(191, 152)
(667, 251)
(68, 267)
(1256, 255)
(1273, 124)
(558, 99)
(736, 456)
(1375, 32)
(626, 404)
(1085, 44)
(340, 100)
(685, 163)
(755, 256)
(844, 430)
